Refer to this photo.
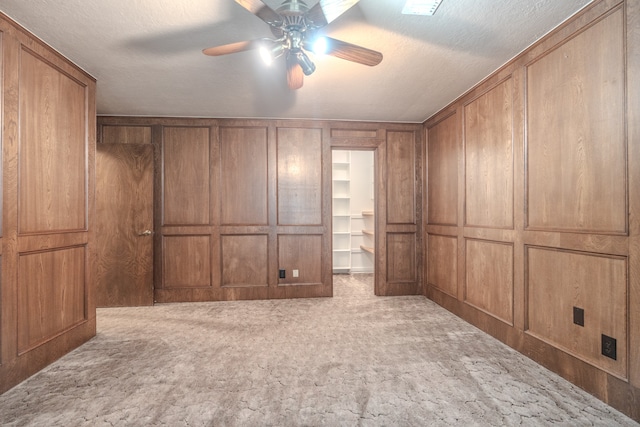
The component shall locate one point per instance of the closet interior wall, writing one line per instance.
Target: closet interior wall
(353, 211)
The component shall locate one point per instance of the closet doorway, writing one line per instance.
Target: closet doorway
(353, 212)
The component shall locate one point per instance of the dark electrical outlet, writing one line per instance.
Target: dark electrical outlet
(283, 274)
(609, 347)
(578, 316)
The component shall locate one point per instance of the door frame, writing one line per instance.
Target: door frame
(379, 222)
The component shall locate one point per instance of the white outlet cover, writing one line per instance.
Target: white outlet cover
(296, 273)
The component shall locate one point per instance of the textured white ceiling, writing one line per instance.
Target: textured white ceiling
(146, 55)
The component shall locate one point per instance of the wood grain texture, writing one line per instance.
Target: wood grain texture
(302, 253)
(186, 261)
(114, 134)
(300, 176)
(488, 146)
(1, 175)
(243, 176)
(353, 133)
(51, 295)
(245, 261)
(443, 154)
(53, 153)
(559, 280)
(489, 278)
(401, 258)
(579, 119)
(124, 210)
(186, 172)
(443, 263)
(48, 138)
(633, 138)
(401, 162)
(381, 286)
(576, 149)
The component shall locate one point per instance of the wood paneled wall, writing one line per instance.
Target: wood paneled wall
(533, 181)
(48, 148)
(239, 200)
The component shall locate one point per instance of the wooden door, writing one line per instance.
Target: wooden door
(124, 224)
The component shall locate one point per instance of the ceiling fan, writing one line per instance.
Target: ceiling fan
(295, 28)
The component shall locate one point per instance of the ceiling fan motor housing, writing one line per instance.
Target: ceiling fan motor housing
(293, 7)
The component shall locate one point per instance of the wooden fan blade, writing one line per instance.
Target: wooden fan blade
(262, 11)
(295, 75)
(326, 11)
(232, 48)
(352, 52)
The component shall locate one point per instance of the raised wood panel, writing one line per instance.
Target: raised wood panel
(186, 261)
(51, 295)
(2, 335)
(1, 169)
(401, 258)
(299, 176)
(243, 176)
(633, 135)
(112, 134)
(576, 148)
(48, 139)
(489, 278)
(559, 280)
(443, 263)
(244, 260)
(574, 97)
(401, 198)
(186, 176)
(488, 142)
(52, 152)
(302, 253)
(354, 133)
(442, 174)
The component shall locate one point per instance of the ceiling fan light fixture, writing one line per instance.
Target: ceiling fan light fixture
(269, 54)
(320, 46)
(305, 63)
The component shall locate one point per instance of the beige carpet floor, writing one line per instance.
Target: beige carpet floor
(351, 360)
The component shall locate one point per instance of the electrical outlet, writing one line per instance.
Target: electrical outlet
(296, 273)
(578, 316)
(283, 274)
(609, 347)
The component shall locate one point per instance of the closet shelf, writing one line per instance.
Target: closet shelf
(367, 213)
(368, 232)
(367, 249)
(341, 210)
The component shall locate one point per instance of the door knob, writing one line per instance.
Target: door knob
(146, 233)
